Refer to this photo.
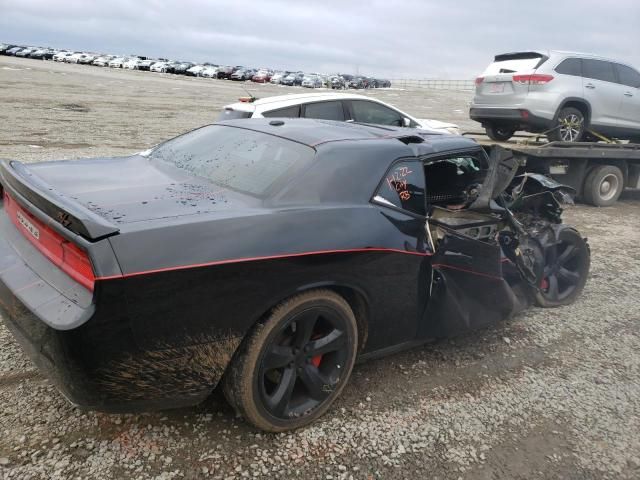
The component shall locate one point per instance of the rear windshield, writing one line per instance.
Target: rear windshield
(515, 62)
(242, 160)
(231, 114)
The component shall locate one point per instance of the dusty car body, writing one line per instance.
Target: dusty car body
(137, 282)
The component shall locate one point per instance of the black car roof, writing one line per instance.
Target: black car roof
(314, 132)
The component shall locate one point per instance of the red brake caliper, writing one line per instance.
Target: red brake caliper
(544, 284)
(318, 358)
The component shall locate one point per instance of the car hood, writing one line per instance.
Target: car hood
(445, 127)
(131, 189)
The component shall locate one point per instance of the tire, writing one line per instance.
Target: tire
(567, 262)
(603, 186)
(278, 398)
(570, 126)
(499, 134)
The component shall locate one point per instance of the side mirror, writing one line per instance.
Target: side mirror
(406, 122)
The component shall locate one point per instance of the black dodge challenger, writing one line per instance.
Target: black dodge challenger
(266, 256)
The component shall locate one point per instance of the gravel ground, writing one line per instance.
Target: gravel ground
(548, 394)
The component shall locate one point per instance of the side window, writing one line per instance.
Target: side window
(325, 111)
(455, 180)
(371, 112)
(403, 187)
(288, 112)
(598, 70)
(628, 76)
(570, 66)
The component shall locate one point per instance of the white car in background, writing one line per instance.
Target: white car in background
(209, 72)
(196, 70)
(277, 77)
(146, 64)
(85, 58)
(333, 106)
(102, 61)
(73, 58)
(60, 56)
(132, 63)
(117, 62)
(159, 67)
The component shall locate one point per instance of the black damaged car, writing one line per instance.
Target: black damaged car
(266, 256)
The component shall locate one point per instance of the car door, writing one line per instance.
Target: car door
(401, 202)
(602, 92)
(467, 288)
(630, 107)
(365, 111)
(330, 110)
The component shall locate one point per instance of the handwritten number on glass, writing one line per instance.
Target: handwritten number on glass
(398, 181)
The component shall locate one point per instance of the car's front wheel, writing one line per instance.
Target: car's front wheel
(566, 267)
(290, 368)
(499, 133)
(569, 127)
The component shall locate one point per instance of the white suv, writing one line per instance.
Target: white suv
(565, 95)
(332, 106)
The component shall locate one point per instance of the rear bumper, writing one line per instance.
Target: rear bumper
(91, 354)
(521, 119)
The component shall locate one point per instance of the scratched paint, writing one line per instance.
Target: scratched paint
(168, 371)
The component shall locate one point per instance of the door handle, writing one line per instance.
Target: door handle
(628, 94)
(590, 85)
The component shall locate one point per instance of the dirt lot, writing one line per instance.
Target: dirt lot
(548, 394)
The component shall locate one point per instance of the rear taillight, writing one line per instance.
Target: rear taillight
(479, 80)
(70, 258)
(533, 79)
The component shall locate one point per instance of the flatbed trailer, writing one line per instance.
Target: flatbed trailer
(599, 172)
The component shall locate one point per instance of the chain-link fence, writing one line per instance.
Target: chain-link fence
(433, 83)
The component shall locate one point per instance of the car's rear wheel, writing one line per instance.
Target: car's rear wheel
(291, 368)
(569, 127)
(567, 261)
(499, 133)
(603, 186)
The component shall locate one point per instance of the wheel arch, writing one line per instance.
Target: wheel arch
(576, 102)
(352, 294)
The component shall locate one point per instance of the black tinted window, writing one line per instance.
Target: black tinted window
(288, 112)
(598, 70)
(234, 158)
(403, 187)
(325, 111)
(449, 181)
(371, 112)
(628, 76)
(570, 66)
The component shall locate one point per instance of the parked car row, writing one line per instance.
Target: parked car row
(207, 70)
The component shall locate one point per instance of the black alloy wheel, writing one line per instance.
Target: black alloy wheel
(566, 267)
(293, 366)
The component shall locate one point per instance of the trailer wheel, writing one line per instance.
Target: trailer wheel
(603, 186)
(498, 133)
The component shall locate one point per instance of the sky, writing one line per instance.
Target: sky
(453, 39)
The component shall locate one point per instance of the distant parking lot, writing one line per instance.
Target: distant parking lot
(549, 394)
